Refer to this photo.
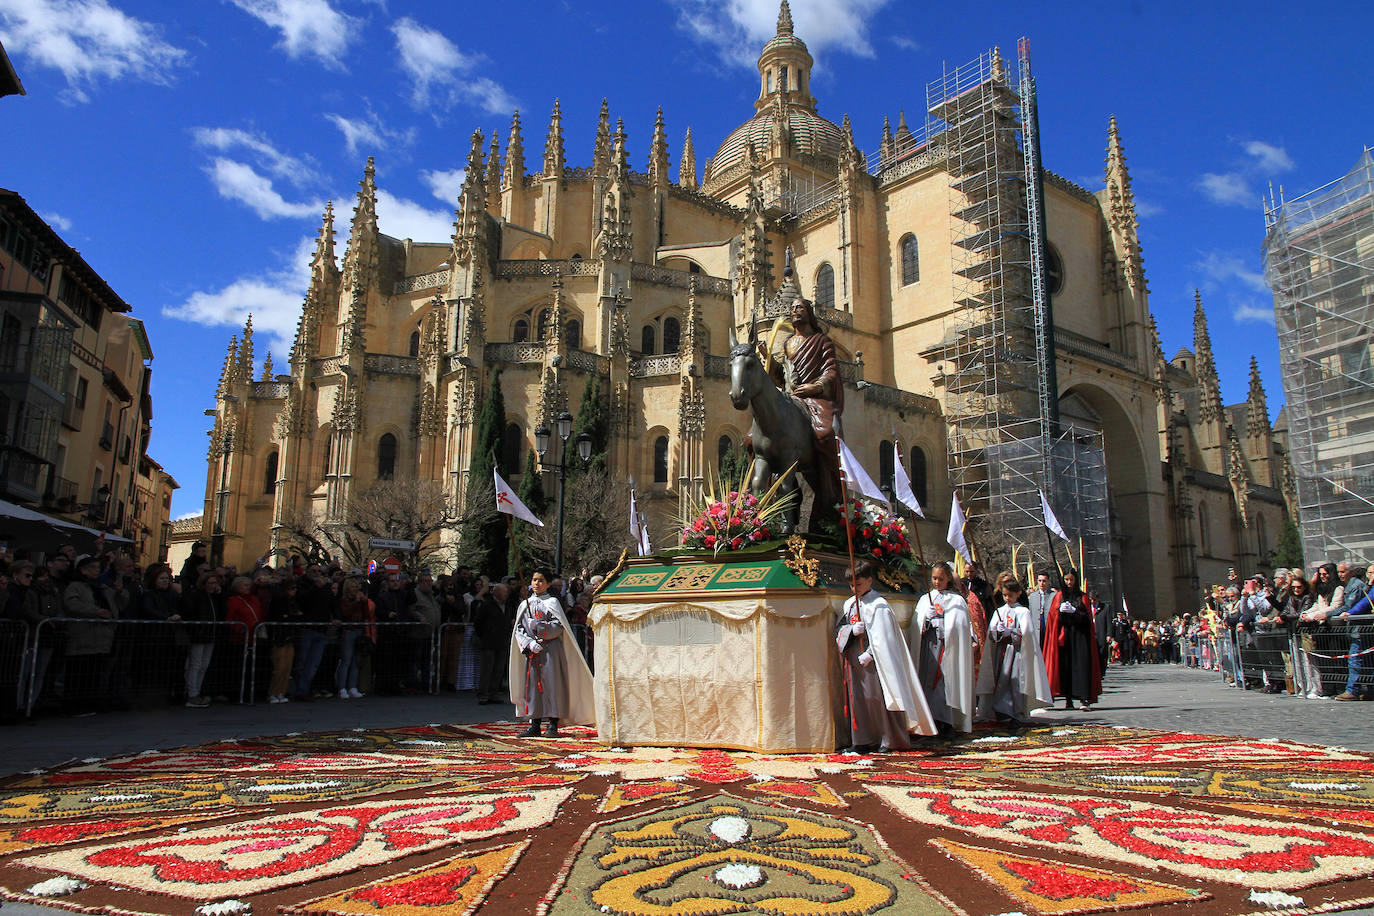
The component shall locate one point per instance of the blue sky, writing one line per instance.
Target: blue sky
(187, 149)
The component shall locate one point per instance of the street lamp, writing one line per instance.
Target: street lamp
(563, 423)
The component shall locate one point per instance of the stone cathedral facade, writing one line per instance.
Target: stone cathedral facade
(556, 272)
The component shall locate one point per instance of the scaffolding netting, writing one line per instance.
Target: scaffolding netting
(1319, 261)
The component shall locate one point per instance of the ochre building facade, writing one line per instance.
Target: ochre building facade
(557, 272)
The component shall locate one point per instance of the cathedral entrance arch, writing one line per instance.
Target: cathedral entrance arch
(1129, 495)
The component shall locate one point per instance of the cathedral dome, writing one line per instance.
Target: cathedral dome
(786, 124)
(811, 135)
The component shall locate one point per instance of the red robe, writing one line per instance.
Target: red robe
(1056, 637)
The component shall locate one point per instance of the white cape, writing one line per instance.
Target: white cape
(579, 689)
(1035, 682)
(957, 664)
(896, 672)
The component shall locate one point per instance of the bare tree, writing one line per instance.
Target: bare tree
(596, 524)
(404, 509)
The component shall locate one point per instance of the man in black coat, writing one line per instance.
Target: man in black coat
(492, 631)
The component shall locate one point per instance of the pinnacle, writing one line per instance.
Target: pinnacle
(784, 19)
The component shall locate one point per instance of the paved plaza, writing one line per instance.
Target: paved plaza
(1141, 696)
(1162, 697)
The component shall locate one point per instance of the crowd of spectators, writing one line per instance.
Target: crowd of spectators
(1314, 632)
(110, 635)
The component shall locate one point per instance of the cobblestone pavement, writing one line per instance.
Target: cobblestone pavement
(1143, 696)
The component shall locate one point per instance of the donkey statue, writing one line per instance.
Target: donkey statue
(781, 432)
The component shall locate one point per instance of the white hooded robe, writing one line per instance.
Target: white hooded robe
(891, 658)
(955, 677)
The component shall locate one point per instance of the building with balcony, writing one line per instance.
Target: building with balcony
(75, 367)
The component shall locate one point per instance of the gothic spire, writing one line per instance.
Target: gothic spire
(246, 350)
(687, 166)
(1161, 367)
(558, 314)
(885, 149)
(230, 369)
(658, 152)
(851, 158)
(1209, 407)
(784, 19)
(267, 367)
(322, 263)
(493, 179)
(601, 147)
(692, 327)
(620, 160)
(1257, 406)
(360, 258)
(469, 224)
(1121, 213)
(553, 144)
(514, 175)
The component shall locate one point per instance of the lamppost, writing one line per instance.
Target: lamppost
(564, 424)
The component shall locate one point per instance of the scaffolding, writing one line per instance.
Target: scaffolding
(1319, 261)
(1005, 441)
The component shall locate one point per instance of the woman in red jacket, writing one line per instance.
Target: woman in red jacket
(243, 607)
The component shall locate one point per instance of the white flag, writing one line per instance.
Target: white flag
(644, 546)
(956, 537)
(509, 503)
(1051, 522)
(1125, 609)
(901, 485)
(856, 478)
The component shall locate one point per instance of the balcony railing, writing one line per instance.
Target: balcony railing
(107, 437)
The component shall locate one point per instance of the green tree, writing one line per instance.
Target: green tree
(531, 493)
(1288, 551)
(485, 545)
(594, 419)
(733, 466)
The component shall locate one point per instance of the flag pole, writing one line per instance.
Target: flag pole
(920, 551)
(515, 545)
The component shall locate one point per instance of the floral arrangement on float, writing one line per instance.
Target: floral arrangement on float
(728, 516)
(877, 533)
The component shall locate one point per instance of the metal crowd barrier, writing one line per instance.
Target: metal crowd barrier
(397, 662)
(87, 663)
(14, 659)
(1265, 657)
(1330, 653)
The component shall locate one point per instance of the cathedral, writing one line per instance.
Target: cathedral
(557, 272)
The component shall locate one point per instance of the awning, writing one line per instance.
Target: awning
(23, 514)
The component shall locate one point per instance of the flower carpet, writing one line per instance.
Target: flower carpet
(452, 820)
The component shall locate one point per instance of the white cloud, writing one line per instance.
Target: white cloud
(369, 133)
(1230, 188)
(309, 28)
(738, 28)
(1145, 208)
(445, 184)
(87, 41)
(241, 182)
(905, 43)
(1220, 268)
(1269, 158)
(442, 73)
(188, 515)
(57, 221)
(272, 297)
(405, 219)
(267, 156)
(1245, 311)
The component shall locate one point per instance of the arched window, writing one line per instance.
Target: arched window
(386, 457)
(661, 459)
(522, 331)
(917, 472)
(574, 334)
(672, 335)
(1054, 270)
(512, 444)
(646, 340)
(543, 324)
(328, 453)
(269, 474)
(887, 460)
(1204, 537)
(911, 260)
(825, 287)
(723, 448)
(415, 344)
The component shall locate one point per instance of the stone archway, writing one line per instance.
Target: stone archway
(1132, 500)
